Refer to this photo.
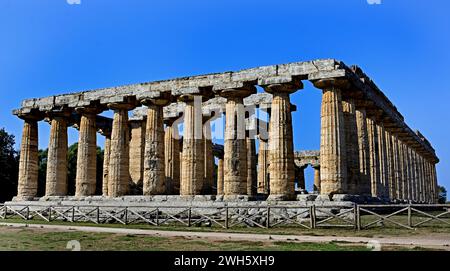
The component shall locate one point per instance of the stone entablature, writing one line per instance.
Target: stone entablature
(305, 158)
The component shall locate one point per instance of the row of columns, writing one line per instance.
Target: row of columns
(361, 154)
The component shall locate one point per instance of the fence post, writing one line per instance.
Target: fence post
(157, 216)
(73, 213)
(126, 215)
(189, 216)
(409, 215)
(312, 216)
(226, 217)
(358, 217)
(268, 217)
(355, 216)
(5, 211)
(98, 215)
(49, 213)
(28, 212)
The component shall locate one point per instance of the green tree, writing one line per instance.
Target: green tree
(442, 195)
(9, 166)
(72, 153)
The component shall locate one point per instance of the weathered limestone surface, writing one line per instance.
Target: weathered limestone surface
(316, 179)
(87, 155)
(333, 161)
(352, 147)
(172, 158)
(56, 180)
(263, 163)
(390, 165)
(154, 168)
(208, 182)
(384, 183)
(193, 159)
(119, 173)
(235, 146)
(364, 186)
(106, 155)
(28, 163)
(137, 148)
(220, 176)
(375, 180)
(281, 144)
(251, 167)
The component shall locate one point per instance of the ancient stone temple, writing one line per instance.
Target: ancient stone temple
(367, 151)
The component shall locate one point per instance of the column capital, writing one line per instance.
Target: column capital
(242, 92)
(121, 106)
(32, 116)
(88, 110)
(289, 88)
(162, 100)
(340, 82)
(63, 113)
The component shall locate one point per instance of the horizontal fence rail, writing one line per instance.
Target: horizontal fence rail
(357, 216)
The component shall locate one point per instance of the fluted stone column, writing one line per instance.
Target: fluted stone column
(220, 176)
(397, 169)
(390, 165)
(119, 172)
(86, 176)
(263, 174)
(251, 167)
(235, 145)
(375, 179)
(364, 186)
(56, 180)
(154, 168)
(406, 186)
(193, 159)
(281, 142)
(28, 163)
(384, 182)
(412, 175)
(316, 179)
(421, 178)
(333, 161)
(352, 146)
(172, 157)
(416, 176)
(208, 181)
(137, 147)
(436, 192)
(106, 155)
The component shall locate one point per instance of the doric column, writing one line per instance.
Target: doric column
(220, 176)
(281, 144)
(427, 180)
(172, 157)
(235, 145)
(86, 176)
(106, 154)
(251, 167)
(137, 147)
(119, 172)
(397, 169)
(28, 163)
(193, 158)
(421, 178)
(436, 192)
(352, 146)
(154, 169)
(375, 180)
(412, 179)
(56, 180)
(406, 187)
(384, 182)
(390, 165)
(263, 162)
(416, 176)
(364, 155)
(333, 161)
(208, 181)
(317, 179)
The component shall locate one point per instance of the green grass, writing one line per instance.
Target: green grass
(39, 239)
(390, 230)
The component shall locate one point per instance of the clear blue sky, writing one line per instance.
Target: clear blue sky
(49, 47)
